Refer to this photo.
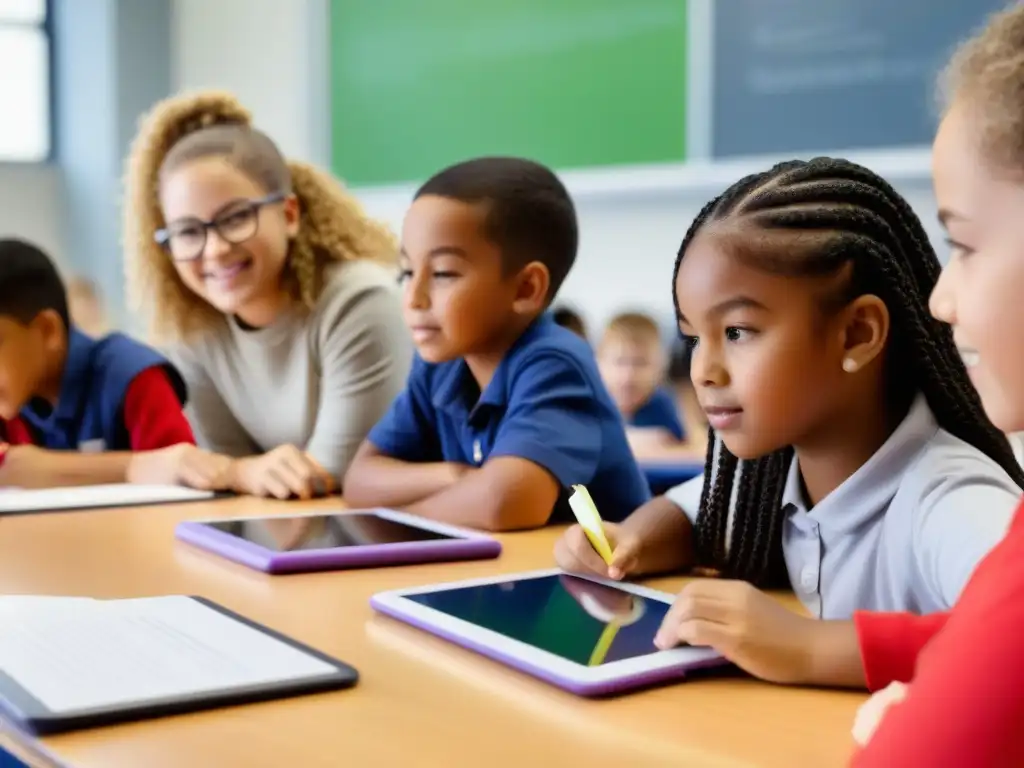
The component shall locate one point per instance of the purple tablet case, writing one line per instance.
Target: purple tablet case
(622, 684)
(471, 546)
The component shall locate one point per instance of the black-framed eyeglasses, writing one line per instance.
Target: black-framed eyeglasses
(185, 240)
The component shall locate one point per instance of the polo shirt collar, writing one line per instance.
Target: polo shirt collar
(868, 491)
(456, 390)
(74, 383)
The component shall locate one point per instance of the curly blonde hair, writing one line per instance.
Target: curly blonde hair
(333, 226)
(986, 75)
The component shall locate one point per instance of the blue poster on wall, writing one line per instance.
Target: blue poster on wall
(828, 75)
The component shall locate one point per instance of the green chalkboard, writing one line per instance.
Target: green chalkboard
(419, 84)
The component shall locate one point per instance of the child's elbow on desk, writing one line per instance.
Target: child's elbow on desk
(508, 514)
(360, 483)
(375, 479)
(514, 494)
(506, 494)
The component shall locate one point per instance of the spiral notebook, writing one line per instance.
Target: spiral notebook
(70, 663)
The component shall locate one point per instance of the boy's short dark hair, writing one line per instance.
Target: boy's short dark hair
(531, 216)
(29, 283)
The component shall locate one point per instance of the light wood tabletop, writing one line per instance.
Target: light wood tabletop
(420, 701)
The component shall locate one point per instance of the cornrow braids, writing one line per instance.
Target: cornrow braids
(855, 221)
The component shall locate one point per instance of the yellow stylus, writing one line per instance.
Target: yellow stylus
(590, 521)
(604, 642)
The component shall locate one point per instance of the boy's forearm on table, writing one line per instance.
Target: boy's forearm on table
(389, 482)
(455, 507)
(93, 468)
(66, 468)
(466, 504)
(496, 497)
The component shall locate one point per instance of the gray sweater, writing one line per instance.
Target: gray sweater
(317, 379)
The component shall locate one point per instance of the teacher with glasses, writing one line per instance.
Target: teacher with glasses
(271, 290)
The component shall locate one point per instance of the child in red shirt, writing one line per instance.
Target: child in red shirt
(76, 410)
(952, 683)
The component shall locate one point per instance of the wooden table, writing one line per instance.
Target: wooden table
(420, 701)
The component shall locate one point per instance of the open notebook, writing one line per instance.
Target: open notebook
(20, 501)
(68, 663)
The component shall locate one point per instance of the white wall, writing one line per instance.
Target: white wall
(268, 54)
(273, 54)
(32, 206)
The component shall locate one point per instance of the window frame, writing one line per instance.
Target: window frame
(47, 29)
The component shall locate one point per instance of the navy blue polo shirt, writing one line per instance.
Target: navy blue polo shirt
(545, 403)
(89, 415)
(660, 411)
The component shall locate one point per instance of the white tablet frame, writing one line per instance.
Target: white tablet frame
(530, 658)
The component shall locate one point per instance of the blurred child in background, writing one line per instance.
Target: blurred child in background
(634, 364)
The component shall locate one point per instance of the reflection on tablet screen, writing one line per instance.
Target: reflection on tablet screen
(285, 534)
(574, 618)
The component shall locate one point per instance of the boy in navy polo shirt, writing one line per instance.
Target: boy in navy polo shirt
(504, 409)
(76, 410)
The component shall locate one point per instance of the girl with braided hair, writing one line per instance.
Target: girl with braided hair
(274, 291)
(849, 455)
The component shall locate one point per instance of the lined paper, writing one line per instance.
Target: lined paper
(83, 654)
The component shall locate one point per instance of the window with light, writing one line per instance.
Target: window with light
(25, 134)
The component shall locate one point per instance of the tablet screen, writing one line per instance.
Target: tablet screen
(574, 618)
(287, 534)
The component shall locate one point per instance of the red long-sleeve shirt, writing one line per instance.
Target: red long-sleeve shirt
(965, 704)
(152, 416)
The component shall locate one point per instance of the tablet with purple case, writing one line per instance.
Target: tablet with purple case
(362, 538)
(589, 636)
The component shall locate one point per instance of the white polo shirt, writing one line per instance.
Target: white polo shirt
(903, 533)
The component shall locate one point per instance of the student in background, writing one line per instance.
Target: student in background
(965, 670)
(633, 365)
(571, 319)
(503, 409)
(86, 307)
(852, 458)
(275, 291)
(115, 402)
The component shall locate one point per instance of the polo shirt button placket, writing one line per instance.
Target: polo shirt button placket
(478, 454)
(811, 572)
